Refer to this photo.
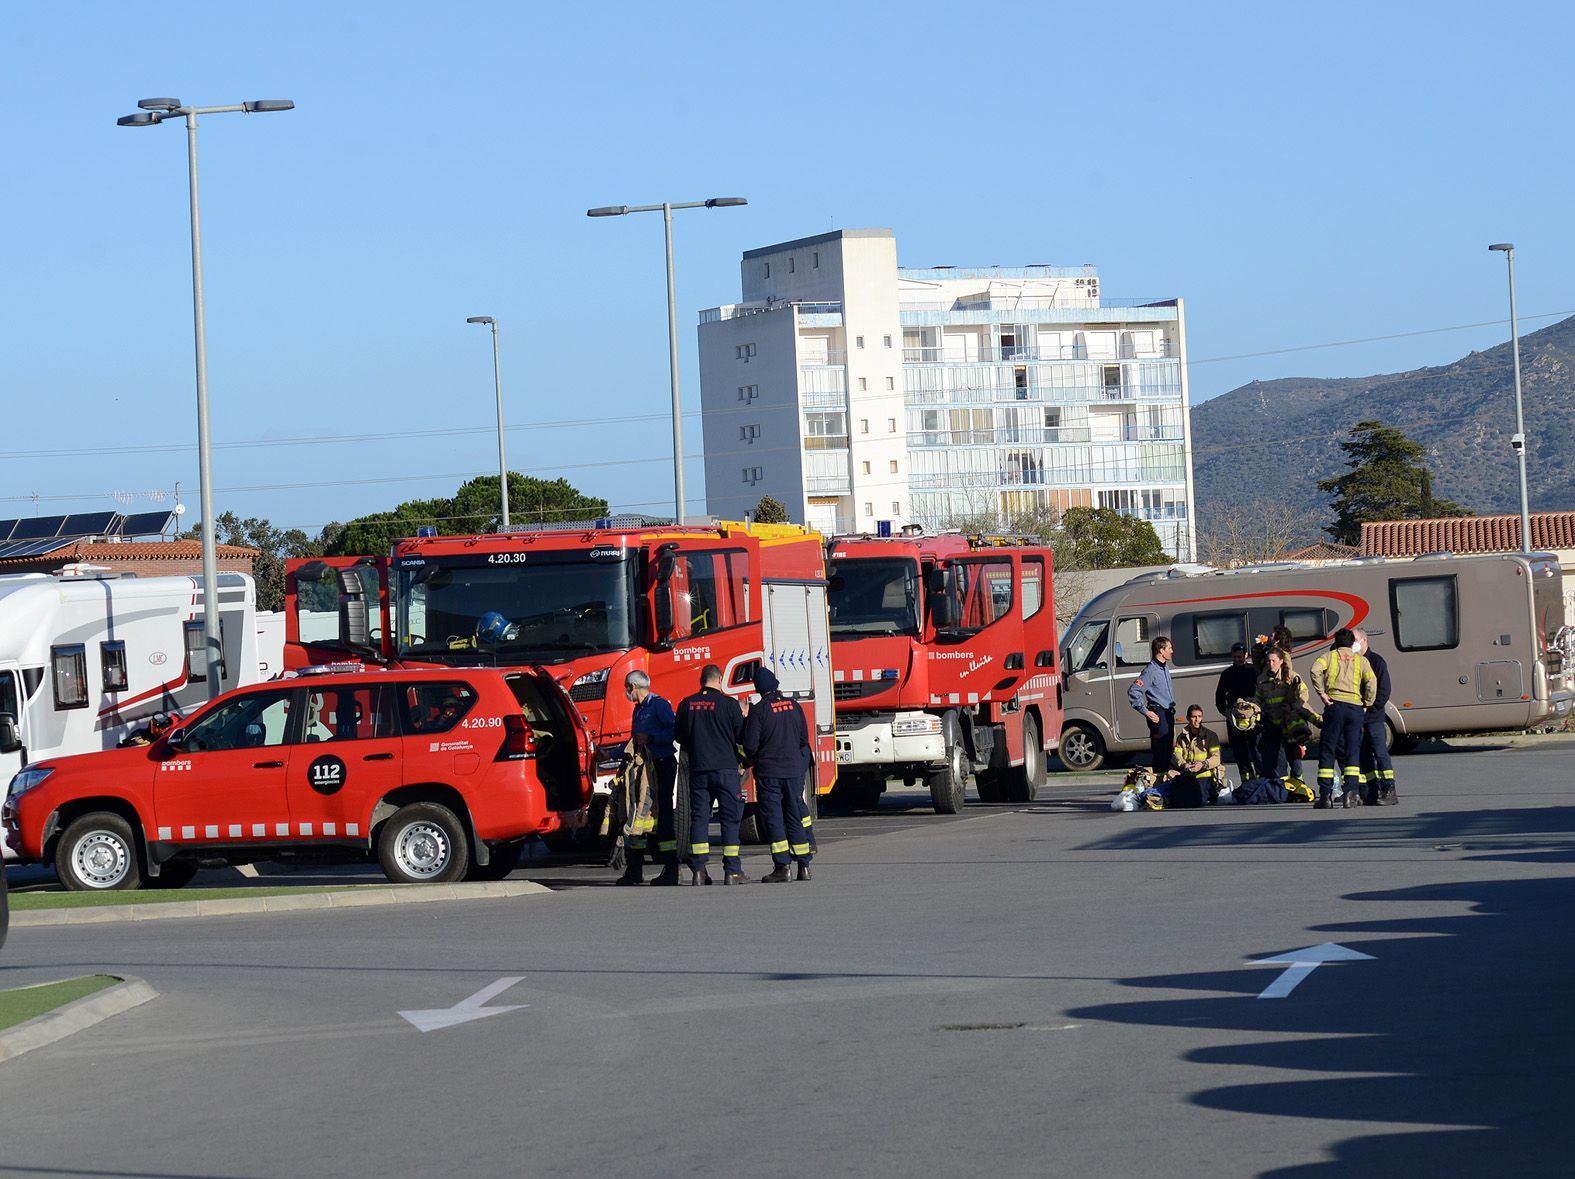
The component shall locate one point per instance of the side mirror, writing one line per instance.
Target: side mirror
(935, 580)
(175, 740)
(664, 612)
(354, 623)
(941, 611)
(10, 739)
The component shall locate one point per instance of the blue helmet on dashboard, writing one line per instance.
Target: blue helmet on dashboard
(492, 627)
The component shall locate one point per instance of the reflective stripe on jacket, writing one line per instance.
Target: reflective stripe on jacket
(1345, 676)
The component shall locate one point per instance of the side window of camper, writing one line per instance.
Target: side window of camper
(1306, 624)
(1426, 613)
(197, 652)
(112, 662)
(1214, 634)
(70, 667)
(1087, 648)
(10, 702)
(1132, 637)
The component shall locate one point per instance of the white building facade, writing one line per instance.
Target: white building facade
(859, 393)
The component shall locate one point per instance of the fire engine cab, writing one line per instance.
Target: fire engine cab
(945, 654)
(587, 602)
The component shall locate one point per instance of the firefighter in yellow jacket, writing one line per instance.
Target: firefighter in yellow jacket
(1195, 774)
(1346, 684)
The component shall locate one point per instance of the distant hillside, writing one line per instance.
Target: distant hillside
(1464, 413)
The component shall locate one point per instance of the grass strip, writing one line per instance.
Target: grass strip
(21, 901)
(25, 1003)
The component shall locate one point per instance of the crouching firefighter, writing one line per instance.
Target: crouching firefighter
(1195, 774)
(709, 727)
(776, 741)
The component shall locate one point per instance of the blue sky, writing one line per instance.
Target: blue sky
(1301, 176)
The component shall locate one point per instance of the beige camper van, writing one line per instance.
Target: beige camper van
(1469, 641)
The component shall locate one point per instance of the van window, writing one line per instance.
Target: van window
(1305, 624)
(251, 721)
(357, 713)
(112, 660)
(1132, 638)
(1214, 634)
(1087, 648)
(435, 707)
(70, 668)
(9, 700)
(197, 652)
(1425, 611)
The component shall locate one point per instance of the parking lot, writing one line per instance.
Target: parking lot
(1051, 988)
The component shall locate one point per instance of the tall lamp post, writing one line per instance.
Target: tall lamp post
(666, 209)
(150, 112)
(1518, 442)
(497, 380)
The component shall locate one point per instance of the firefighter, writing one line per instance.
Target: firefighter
(709, 727)
(1347, 686)
(1152, 695)
(1378, 769)
(1237, 682)
(776, 738)
(1195, 764)
(1282, 697)
(652, 725)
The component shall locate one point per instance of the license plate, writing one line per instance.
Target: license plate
(844, 757)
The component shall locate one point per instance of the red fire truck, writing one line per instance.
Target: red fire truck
(589, 602)
(944, 649)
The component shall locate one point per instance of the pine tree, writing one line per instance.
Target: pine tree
(1387, 479)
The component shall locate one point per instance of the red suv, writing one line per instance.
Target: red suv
(442, 774)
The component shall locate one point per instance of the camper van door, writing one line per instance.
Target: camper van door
(1129, 656)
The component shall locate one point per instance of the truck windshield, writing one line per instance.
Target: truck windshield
(873, 596)
(514, 607)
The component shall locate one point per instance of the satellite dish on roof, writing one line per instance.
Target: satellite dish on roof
(180, 509)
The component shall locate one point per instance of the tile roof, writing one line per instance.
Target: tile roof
(153, 550)
(1466, 534)
(1324, 551)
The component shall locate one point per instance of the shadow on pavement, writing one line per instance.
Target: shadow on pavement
(1461, 1022)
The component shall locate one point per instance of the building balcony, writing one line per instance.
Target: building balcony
(823, 398)
(1023, 355)
(1057, 395)
(833, 357)
(740, 310)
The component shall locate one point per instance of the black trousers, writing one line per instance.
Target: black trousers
(1162, 739)
(1244, 748)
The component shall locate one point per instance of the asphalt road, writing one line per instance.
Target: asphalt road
(1056, 989)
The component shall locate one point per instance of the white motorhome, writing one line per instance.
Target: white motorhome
(1470, 641)
(84, 659)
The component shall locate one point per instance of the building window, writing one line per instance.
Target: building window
(896, 508)
(815, 260)
(749, 433)
(858, 341)
(869, 509)
(864, 384)
(753, 475)
(747, 393)
(790, 265)
(887, 340)
(893, 466)
(891, 425)
(866, 468)
(891, 382)
(112, 658)
(768, 270)
(744, 352)
(70, 668)
(825, 430)
(864, 425)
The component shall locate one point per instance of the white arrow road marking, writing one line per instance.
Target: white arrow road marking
(466, 1009)
(1300, 963)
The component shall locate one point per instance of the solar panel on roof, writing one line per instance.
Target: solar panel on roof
(5, 528)
(31, 548)
(37, 528)
(147, 524)
(90, 524)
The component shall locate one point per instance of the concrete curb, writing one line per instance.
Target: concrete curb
(362, 897)
(75, 1017)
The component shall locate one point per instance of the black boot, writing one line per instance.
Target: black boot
(667, 878)
(631, 875)
(1325, 799)
(1351, 798)
(1387, 795)
(803, 870)
(777, 875)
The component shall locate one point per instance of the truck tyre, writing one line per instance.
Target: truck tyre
(1082, 749)
(98, 853)
(424, 843)
(949, 783)
(173, 874)
(1022, 782)
(752, 828)
(505, 858)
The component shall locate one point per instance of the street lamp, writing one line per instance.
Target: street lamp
(151, 111)
(666, 209)
(1518, 442)
(497, 379)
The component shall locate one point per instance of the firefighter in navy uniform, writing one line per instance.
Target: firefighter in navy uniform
(1378, 768)
(1239, 681)
(652, 725)
(776, 743)
(709, 728)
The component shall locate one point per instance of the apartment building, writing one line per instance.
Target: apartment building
(866, 395)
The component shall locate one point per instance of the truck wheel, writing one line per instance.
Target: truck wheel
(752, 828)
(1023, 782)
(424, 843)
(1082, 750)
(98, 853)
(505, 858)
(949, 783)
(173, 874)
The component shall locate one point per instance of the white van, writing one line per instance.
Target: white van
(1470, 641)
